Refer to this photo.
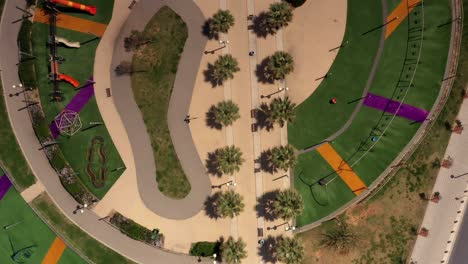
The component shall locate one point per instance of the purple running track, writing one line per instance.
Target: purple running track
(76, 104)
(5, 185)
(391, 106)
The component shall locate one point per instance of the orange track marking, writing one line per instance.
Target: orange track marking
(55, 252)
(401, 11)
(342, 168)
(72, 23)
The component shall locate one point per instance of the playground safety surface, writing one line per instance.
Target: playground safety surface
(72, 23)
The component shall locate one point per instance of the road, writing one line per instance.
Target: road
(459, 253)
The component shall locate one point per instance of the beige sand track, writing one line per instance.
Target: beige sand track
(317, 27)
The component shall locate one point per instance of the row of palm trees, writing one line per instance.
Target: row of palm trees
(288, 250)
(278, 16)
(280, 111)
(277, 67)
(229, 159)
(286, 205)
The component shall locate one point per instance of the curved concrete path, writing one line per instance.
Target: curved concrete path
(131, 116)
(21, 124)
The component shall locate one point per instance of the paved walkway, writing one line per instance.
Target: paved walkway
(440, 218)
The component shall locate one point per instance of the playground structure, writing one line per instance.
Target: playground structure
(55, 76)
(90, 9)
(66, 42)
(96, 168)
(68, 122)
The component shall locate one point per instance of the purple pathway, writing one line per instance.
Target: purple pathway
(5, 185)
(391, 106)
(76, 104)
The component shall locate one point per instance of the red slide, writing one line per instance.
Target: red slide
(68, 79)
(89, 9)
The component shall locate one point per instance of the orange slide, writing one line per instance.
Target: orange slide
(89, 9)
(68, 79)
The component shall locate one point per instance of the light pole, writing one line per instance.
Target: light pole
(229, 183)
(280, 89)
(289, 227)
(222, 42)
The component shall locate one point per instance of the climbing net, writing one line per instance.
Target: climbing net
(68, 122)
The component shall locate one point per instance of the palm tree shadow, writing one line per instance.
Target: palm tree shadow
(260, 27)
(265, 162)
(263, 75)
(264, 205)
(268, 249)
(211, 120)
(207, 32)
(210, 206)
(212, 165)
(262, 118)
(208, 73)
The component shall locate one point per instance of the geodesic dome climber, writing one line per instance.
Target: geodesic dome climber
(68, 122)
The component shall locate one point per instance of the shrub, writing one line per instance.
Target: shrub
(296, 3)
(205, 248)
(26, 68)
(136, 231)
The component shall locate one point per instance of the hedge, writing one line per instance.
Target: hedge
(205, 248)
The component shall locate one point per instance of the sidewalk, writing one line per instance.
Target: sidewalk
(444, 217)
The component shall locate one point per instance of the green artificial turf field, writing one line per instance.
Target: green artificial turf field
(355, 144)
(319, 201)
(29, 231)
(316, 119)
(79, 64)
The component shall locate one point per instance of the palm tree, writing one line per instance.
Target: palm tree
(226, 112)
(233, 251)
(288, 204)
(279, 15)
(290, 250)
(279, 65)
(229, 204)
(224, 68)
(340, 239)
(281, 111)
(229, 159)
(283, 157)
(221, 22)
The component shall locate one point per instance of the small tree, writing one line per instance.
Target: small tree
(340, 239)
(221, 22)
(288, 204)
(229, 204)
(229, 159)
(290, 250)
(233, 251)
(278, 16)
(224, 68)
(281, 111)
(279, 65)
(226, 112)
(125, 67)
(296, 3)
(283, 157)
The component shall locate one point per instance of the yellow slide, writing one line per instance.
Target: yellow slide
(345, 172)
(67, 43)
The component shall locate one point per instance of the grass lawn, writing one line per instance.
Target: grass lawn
(10, 153)
(95, 251)
(354, 145)
(30, 231)
(79, 64)
(387, 222)
(152, 91)
(316, 119)
(319, 201)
